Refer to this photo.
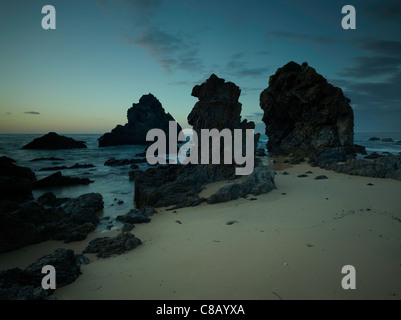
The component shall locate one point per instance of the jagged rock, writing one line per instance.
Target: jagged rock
(58, 180)
(373, 155)
(218, 108)
(15, 184)
(218, 105)
(177, 185)
(137, 216)
(303, 113)
(354, 149)
(180, 185)
(388, 166)
(328, 158)
(387, 140)
(322, 177)
(143, 116)
(92, 201)
(106, 247)
(374, 139)
(53, 141)
(260, 181)
(127, 227)
(33, 223)
(17, 284)
(50, 199)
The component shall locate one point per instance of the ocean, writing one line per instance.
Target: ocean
(113, 182)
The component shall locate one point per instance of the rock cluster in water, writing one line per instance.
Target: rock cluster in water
(53, 141)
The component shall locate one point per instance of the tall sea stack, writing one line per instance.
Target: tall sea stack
(143, 116)
(303, 113)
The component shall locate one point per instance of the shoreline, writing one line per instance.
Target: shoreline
(289, 246)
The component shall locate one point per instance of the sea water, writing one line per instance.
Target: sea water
(113, 182)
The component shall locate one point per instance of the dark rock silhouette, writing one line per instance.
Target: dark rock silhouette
(58, 180)
(177, 185)
(218, 108)
(261, 180)
(388, 166)
(387, 140)
(47, 159)
(143, 116)
(32, 223)
(374, 139)
(373, 155)
(137, 216)
(18, 284)
(75, 166)
(15, 184)
(180, 185)
(304, 113)
(218, 105)
(52, 141)
(50, 199)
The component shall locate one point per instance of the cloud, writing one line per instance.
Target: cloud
(383, 58)
(375, 98)
(32, 112)
(302, 37)
(382, 47)
(171, 49)
(387, 11)
(372, 66)
(238, 66)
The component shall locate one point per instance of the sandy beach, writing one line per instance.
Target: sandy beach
(288, 244)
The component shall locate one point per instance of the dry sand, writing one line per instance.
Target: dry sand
(288, 244)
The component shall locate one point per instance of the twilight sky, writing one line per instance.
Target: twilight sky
(105, 54)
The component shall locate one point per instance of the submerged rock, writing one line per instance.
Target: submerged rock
(143, 116)
(303, 113)
(53, 141)
(58, 180)
(75, 166)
